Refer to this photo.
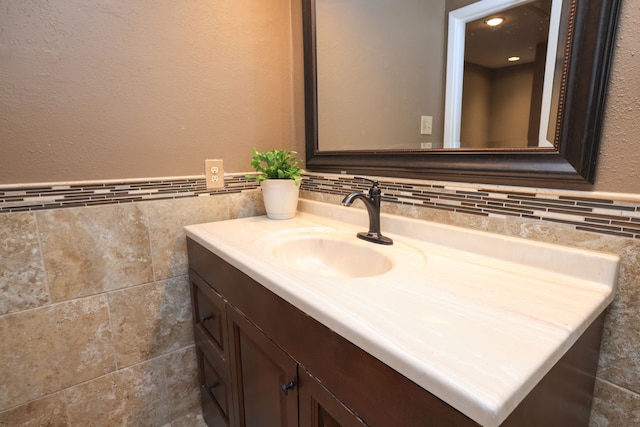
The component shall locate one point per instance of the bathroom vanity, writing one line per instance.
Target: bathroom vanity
(298, 322)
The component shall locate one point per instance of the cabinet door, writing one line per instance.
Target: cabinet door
(320, 408)
(265, 377)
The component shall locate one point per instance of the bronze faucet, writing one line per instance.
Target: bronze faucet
(372, 203)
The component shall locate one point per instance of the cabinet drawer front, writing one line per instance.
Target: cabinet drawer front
(211, 410)
(206, 345)
(215, 385)
(209, 312)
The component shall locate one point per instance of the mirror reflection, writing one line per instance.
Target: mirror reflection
(387, 78)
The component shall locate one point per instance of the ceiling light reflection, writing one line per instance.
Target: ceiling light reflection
(494, 22)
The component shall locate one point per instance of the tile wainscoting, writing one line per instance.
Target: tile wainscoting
(94, 293)
(95, 312)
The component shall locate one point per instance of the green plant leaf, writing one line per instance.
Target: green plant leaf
(275, 164)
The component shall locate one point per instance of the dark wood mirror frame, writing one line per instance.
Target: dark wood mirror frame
(571, 165)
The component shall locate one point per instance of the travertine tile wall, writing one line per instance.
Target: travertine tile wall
(94, 307)
(95, 316)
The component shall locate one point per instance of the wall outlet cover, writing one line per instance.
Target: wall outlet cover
(214, 173)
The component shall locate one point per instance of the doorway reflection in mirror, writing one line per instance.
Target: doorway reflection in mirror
(502, 70)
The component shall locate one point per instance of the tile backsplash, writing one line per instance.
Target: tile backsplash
(32, 197)
(598, 213)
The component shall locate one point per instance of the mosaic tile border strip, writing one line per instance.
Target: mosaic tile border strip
(583, 213)
(55, 196)
(598, 215)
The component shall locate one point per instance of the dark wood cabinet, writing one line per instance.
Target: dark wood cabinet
(212, 350)
(265, 377)
(246, 379)
(263, 362)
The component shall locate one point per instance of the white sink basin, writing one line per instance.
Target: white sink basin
(332, 256)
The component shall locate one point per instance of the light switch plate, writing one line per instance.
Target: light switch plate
(214, 173)
(426, 125)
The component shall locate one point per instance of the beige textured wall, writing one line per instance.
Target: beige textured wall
(120, 89)
(619, 158)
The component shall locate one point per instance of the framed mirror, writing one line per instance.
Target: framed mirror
(387, 83)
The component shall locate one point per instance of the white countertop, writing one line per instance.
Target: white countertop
(475, 318)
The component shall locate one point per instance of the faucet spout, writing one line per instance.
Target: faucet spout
(372, 203)
(348, 200)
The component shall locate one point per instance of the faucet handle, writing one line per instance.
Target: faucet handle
(374, 183)
(375, 189)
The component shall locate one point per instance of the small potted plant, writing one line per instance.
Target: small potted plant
(279, 176)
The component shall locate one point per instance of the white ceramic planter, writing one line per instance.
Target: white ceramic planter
(280, 198)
